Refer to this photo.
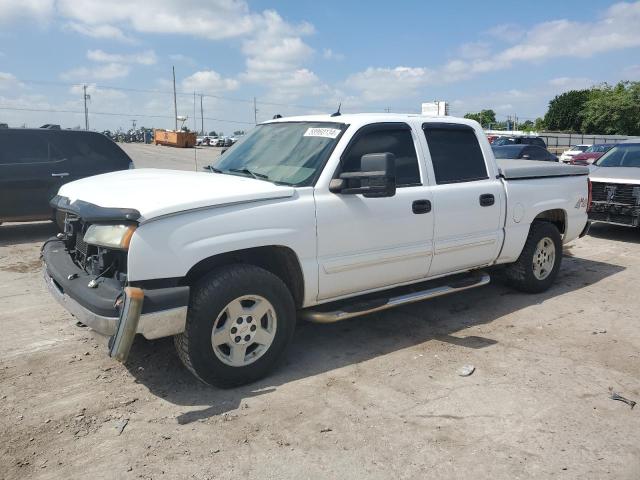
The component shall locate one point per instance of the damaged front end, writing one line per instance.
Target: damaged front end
(86, 271)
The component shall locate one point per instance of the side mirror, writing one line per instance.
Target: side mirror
(376, 178)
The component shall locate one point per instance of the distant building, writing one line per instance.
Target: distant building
(435, 109)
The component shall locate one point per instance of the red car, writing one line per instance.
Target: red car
(591, 154)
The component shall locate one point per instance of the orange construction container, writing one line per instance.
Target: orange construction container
(172, 138)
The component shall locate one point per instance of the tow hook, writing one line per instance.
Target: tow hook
(121, 342)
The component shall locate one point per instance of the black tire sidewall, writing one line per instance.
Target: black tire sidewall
(539, 231)
(212, 294)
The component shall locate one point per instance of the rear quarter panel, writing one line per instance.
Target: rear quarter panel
(527, 198)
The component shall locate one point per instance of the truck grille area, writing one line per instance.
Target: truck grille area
(617, 203)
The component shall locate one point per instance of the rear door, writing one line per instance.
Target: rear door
(468, 199)
(28, 180)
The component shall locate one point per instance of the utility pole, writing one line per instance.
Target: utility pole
(175, 103)
(255, 111)
(86, 111)
(201, 115)
(195, 122)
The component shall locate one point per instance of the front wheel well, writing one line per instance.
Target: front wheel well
(281, 261)
(557, 216)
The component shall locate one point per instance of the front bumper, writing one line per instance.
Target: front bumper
(164, 310)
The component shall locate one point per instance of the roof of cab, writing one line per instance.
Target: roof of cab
(365, 118)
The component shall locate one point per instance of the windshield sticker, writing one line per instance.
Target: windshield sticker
(322, 132)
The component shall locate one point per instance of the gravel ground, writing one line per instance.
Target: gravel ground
(373, 397)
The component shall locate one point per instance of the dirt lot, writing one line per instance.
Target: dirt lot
(374, 397)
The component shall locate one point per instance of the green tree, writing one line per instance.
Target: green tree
(613, 110)
(213, 133)
(565, 111)
(539, 125)
(485, 118)
(238, 133)
(526, 126)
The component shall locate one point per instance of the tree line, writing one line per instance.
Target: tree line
(604, 109)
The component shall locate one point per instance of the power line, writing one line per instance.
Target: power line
(114, 114)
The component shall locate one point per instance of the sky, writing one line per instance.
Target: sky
(298, 57)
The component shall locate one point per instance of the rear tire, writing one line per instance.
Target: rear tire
(537, 266)
(240, 322)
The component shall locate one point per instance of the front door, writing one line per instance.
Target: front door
(369, 243)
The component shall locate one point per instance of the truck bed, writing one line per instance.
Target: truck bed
(520, 169)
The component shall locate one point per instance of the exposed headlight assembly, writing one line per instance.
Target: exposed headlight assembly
(110, 236)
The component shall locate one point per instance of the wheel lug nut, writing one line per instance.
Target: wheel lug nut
(247, 338)
(253, 328)
(239, 321)
(237, 339)
(234, 330)
(249, 319)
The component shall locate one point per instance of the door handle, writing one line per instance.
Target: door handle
(487, 199)
(421, 206)
(64, 174)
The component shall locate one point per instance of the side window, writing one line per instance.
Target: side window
(23, 147)
(394, 140)
(455, 153)
(535, 153)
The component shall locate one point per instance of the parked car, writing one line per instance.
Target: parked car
(35, 163)
(320, 217)
(517, 140)
(615, 183)
(591, 154)
(573, 150)
(524, 152)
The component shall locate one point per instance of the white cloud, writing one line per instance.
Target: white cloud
(329, 54)
(208, 81)
(100, 31)
(389, 83)
(617, 29)
(8, 81)
(474, 49)
(142, 58)
(572, 83)
(107, 71)
(38, 10)
(506, 32)
(180, 58)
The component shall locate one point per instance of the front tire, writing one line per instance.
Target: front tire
(240, 322)
(537, 266)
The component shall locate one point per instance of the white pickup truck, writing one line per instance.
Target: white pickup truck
(318, 217)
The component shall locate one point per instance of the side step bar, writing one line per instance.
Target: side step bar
(355, 309)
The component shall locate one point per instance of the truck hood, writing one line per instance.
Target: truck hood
(615, 174)
(155, 192)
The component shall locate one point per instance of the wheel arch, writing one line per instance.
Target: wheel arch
(556, 216)
(282, 261)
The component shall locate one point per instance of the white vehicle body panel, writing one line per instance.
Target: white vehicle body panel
(567, 155)
(346, 245)
(156, 192)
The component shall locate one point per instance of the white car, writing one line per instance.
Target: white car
(322, 218)
(574, 150)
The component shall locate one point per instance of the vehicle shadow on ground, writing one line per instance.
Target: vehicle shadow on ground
(615, 232)
(20, 233)
(317, 349)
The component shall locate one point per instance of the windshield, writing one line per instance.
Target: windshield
(579, 148)
(290, 153)
(503, 141)
(507, 151)
(622, 155)
(598, 148)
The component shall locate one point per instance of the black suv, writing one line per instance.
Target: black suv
(502, 141)
(34, 163)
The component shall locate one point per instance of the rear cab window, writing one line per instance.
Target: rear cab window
(455, 152)
(24, 147)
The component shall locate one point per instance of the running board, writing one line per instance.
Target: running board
(373, 304)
